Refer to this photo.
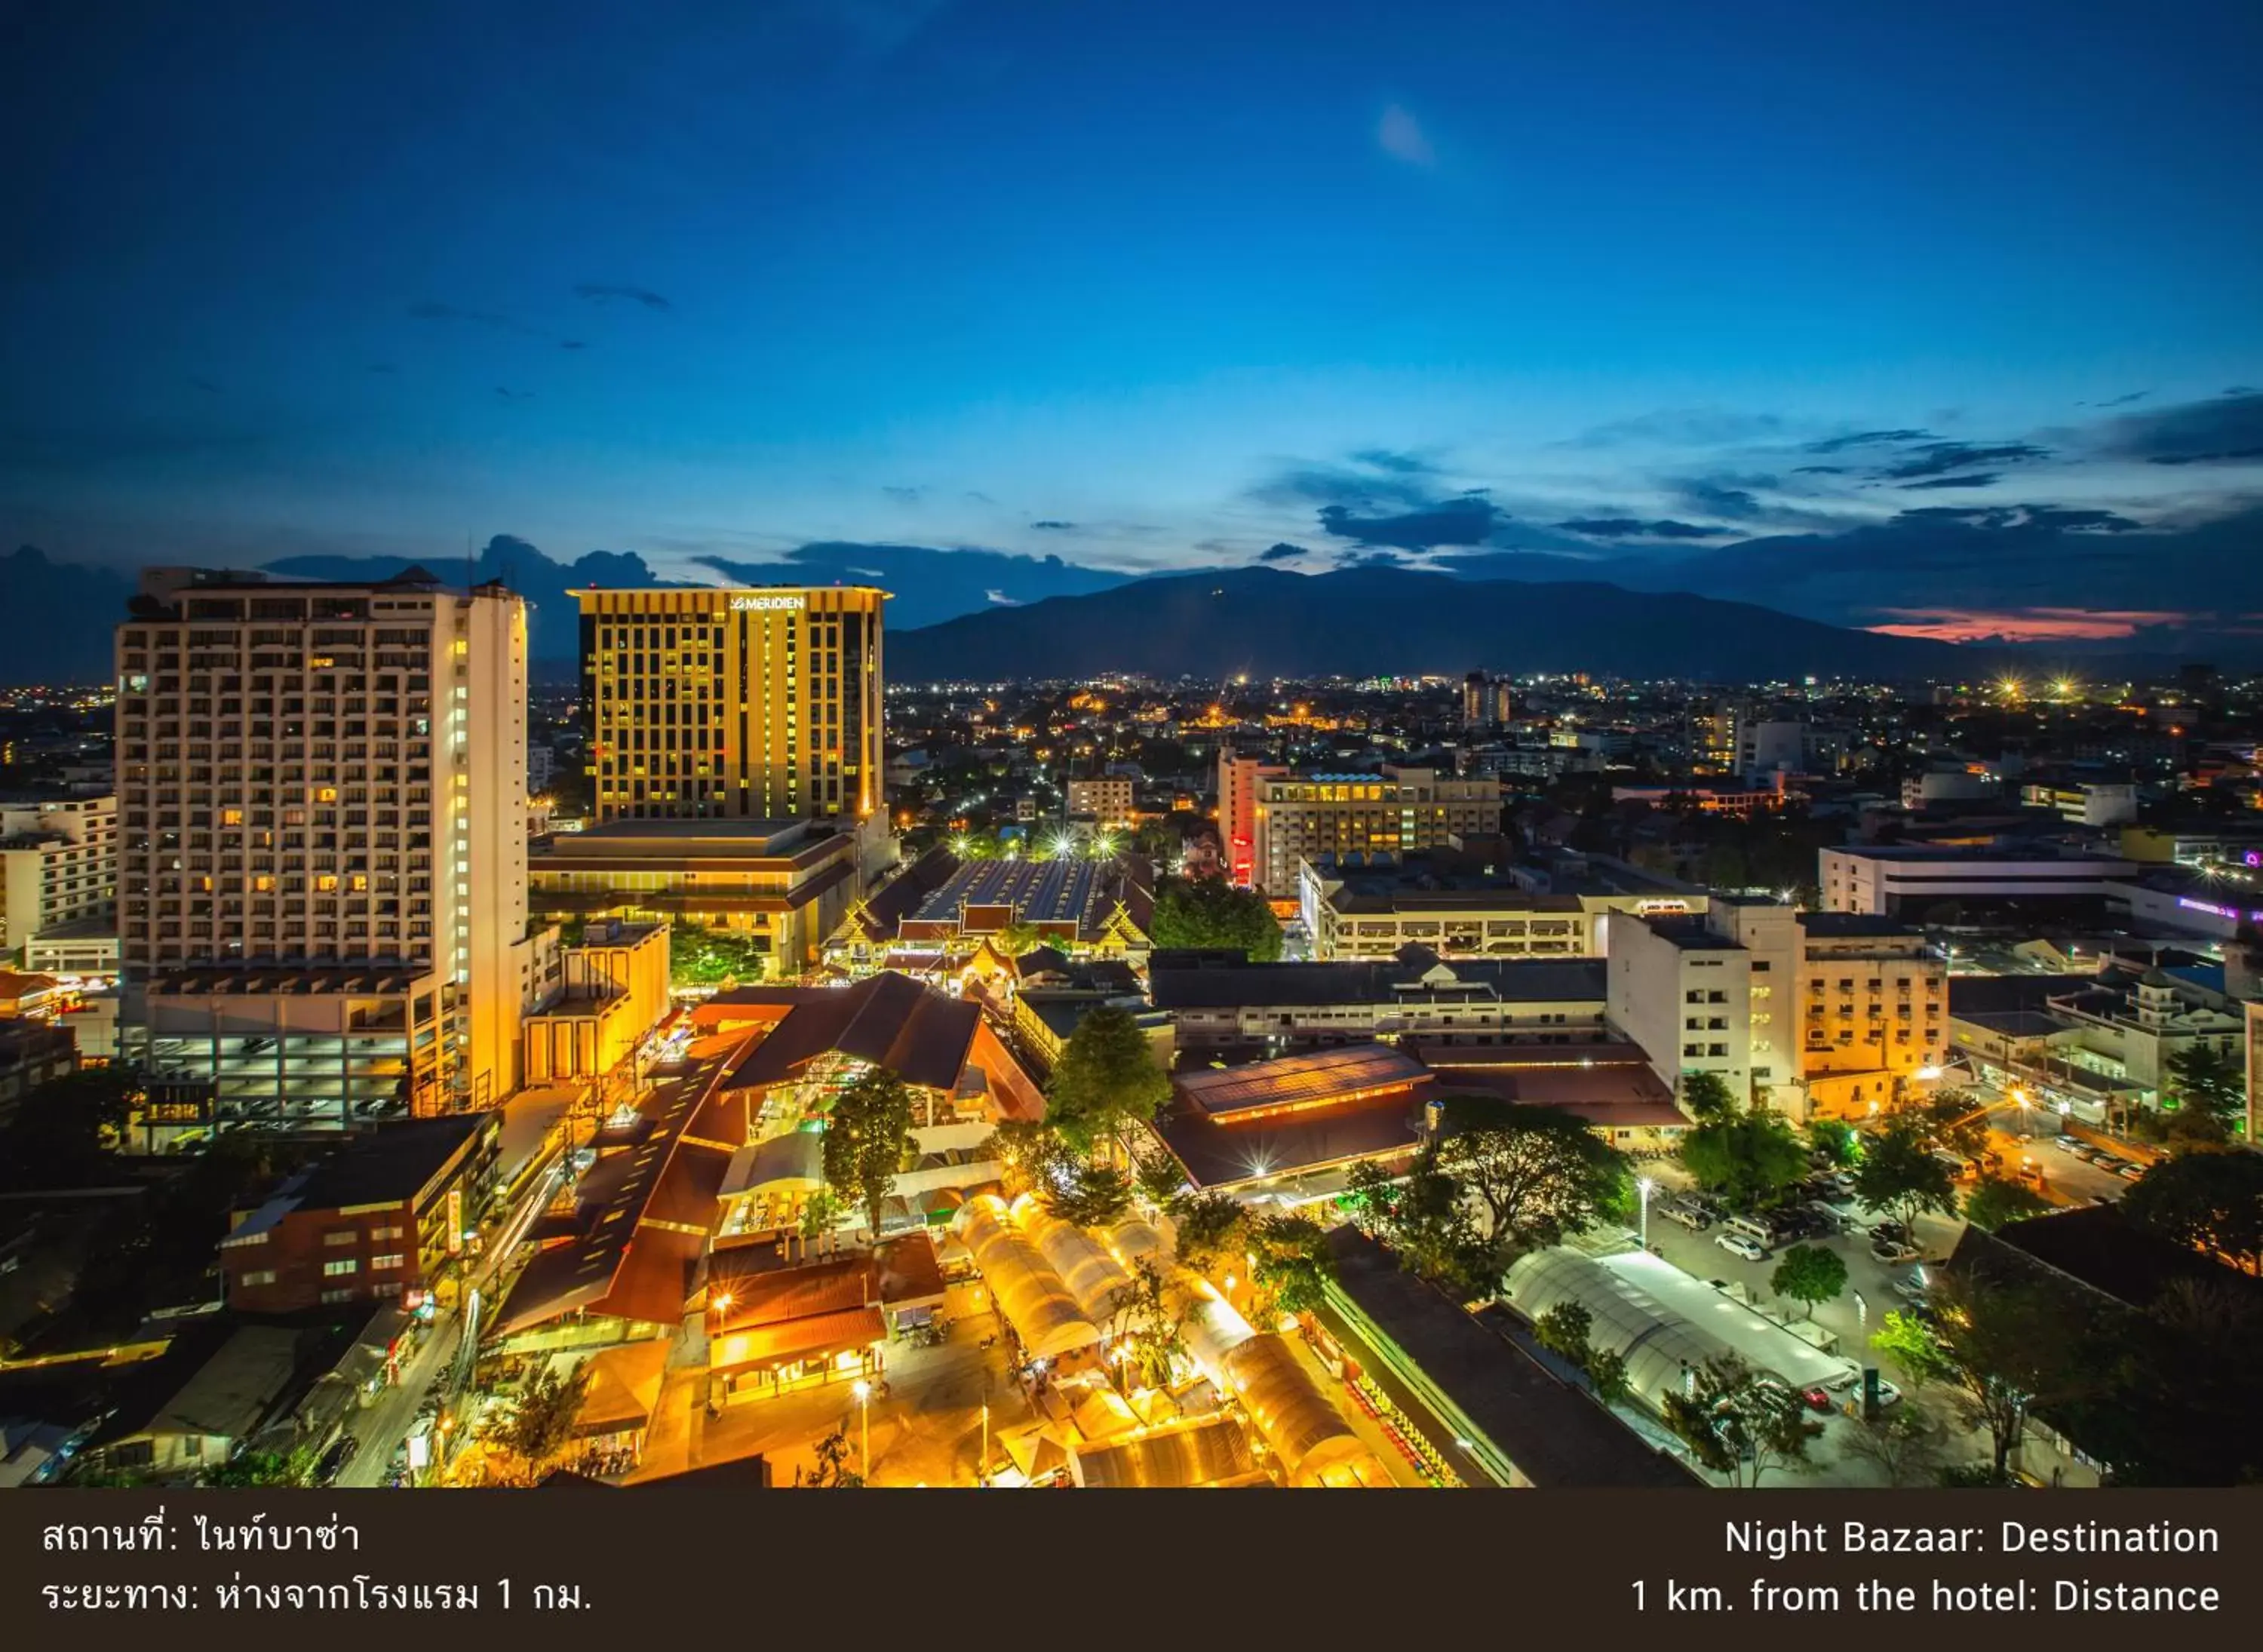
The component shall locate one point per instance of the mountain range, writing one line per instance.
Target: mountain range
(1268, 622)
(1369, 622)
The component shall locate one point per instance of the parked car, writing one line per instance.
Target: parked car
(2101, 1198)
(334, 1460)
(2068, 1144)
(1888, 1394)
(2098, 1156)
(1743, 1245)
(1682, 1214)
(2130, 1172)
(1816, 1399)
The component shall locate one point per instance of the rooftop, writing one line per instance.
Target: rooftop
(1186, 980)
(1297, 1081)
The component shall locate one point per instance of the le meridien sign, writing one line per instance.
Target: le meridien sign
(766, 605)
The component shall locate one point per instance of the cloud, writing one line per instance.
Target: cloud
(903, 496)
(571, 343)
(1055, 527)
(1339, 485)
(1730, 497)
(1938, 458)
(509, 394)
(604, 293)
(927, 584)
(2224, 429)
(2119, 400)
(2027, 625)
(1467, 519)
(1403, 464)
(2051, 518)
(1284, 552)
(1683, 427)
(1402, 138)
(1629, 528)
(1002, 598)
(1821, 470)
(973, 497)
(433, 310)
(1985, 479)
(1866, 438)
(2242, 389)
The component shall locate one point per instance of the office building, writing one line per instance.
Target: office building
(1105, 802)
(1895, 880)
(1684, 993)
(1315, 816)
(738, 704)
(322, 843)
(1237, 780)
(58, 869)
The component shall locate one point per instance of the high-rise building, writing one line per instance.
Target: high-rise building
(1238, 780)
(1299, 817)
(1487, 702)
(322, 858)
(754, 705)
(58, 867)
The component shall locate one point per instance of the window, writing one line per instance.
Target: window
(346, 1295)
(1716, 1049)
(386, 1264)
(231, 817)
(264, 1276)
(341, 1236)
(336, 1270)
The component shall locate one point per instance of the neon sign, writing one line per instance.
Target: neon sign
(2230, 914)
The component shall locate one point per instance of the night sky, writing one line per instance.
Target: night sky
(1942, 316)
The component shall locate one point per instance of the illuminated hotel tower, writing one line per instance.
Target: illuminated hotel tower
(713, 703)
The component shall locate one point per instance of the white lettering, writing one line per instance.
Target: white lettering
(760, 604)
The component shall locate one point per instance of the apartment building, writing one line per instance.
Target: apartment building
(1106, 802)
(1317, 816)
(1684, 992)
(748, 704)
(322, 843)
(58, 868)
(1239, 778)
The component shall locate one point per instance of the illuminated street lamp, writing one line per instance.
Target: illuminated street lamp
(1644, 1184)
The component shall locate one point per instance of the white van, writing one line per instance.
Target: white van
(1752, 1228)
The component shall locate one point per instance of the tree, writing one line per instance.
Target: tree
(1032, 1154)
(821, 1214)
(1833, 1137)
(1159, 1177)
(293, 1468)
(2010, 1347)
(1095, 1196)
(867, 1135)
(1913, 1346)
(1899, 1175)
(1106, 1078)
(2211, 1201)
(1293, 1265)
(1705, 1097)
(1808, 1274)
(63, 1131)
(831, 1472)
(1209, 913)
(1738, 1422)
(1425, 1217)
(1954, 1120)
(1147, 1320)
(1539, 1172)
(1016, 938)
(1208, 1227)
(541, 1424)
(1563, 1329)
(1993, 1201)
(2208, 1079)
(1750, 1158)
(1903, 1442)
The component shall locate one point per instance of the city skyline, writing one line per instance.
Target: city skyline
(1772, 306)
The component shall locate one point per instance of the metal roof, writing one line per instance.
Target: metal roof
(1317, 1076)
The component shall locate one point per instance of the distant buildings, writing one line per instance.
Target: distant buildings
(1106, 802)
(1462, 902)
(1272, 819)
(322, 860)
(1487, 702)
(58, 869)
(1904, 880)
(764, 703)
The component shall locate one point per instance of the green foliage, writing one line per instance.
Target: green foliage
(1752, 1158)
(867, 1135)
(1808, 1274)
(702, 957)
(1146, 1322)
(1093, 1196)
(1607, 1374)
(1426, 1219)
(1032, 1153)
(1706, 1097)
(2211, 1201)
(821, 1214)
(1738, 1422)
(1160, 1178)
(1835, 1137)
(1293, 1264)
(2204, 1079)
(1106, 1078)
(1903, 1442)
(1994, 1200)
(1016, 938)
(1540, 1173)
(1899, 1175)
(541, 1422)
(1954, 1120)
(1912, 1346)
(1563, 1329)
(1209, 913)
(2012, 1347)
(1209, 1228)
(293, 1468)
(832, 1473)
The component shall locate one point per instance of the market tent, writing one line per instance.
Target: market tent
(1300, 1423)
(1099, 1283)
(1104, 1414)
(1133, 1240)
(1031, 1295)
(1202, 1454)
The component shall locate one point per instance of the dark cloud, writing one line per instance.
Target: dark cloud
(2036, 518)
(1867, 438)
(1057, 527)
(1983, 479)
(1821, 470)
(2119, 400)
(2226, 429)
(1468, 519)
(604, 293)
(432, 310)
(1338, 485)
(973, 497)
(571, 343)
(1939, 459)
(1403, 464)
(1684, 427)
(903, 496)
(926, 584)
(1730, 497)
(1629, 528)
(2242, 389)
(1281, 553)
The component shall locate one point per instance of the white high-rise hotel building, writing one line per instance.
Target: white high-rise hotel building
(322, 854)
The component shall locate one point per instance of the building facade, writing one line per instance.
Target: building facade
(1399, 811)
(323, 842)
(740, 704)
(1371, 910)
(1106, 801)
(1237, 780)
(1685, 994)
(1889, 881)
(58, 868)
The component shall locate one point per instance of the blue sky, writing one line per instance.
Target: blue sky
(688, 281)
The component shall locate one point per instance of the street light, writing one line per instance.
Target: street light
(863, 1393)
(1644, 1184)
